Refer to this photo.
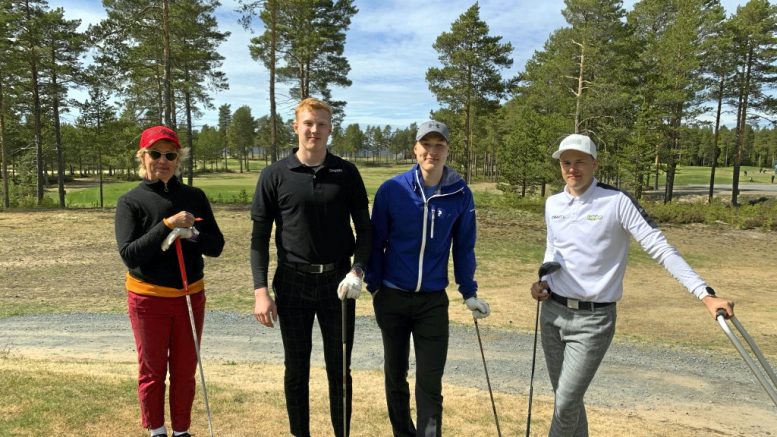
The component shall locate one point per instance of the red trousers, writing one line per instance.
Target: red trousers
(163, 338)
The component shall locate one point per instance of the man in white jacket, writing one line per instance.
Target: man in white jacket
(589, 226)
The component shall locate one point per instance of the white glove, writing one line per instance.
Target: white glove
(479, 307)
(350, 287)
(186, 233)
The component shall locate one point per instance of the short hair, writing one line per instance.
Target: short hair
(312, 104)
(183, 155)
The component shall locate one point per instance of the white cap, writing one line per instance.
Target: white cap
(576, 142)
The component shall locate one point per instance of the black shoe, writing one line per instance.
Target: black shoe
(159, 435)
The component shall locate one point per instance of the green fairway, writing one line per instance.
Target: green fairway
(238, 188)
(219, 187)
(723, 175)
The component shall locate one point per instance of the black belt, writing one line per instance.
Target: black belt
(577, 304)
(312, 268)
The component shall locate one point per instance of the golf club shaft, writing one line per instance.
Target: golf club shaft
(184, 279)
(533, 361)
(770, 390)
(344, 311)
(488, 380)
(756, 350)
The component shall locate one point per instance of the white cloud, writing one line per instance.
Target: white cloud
(389, 48)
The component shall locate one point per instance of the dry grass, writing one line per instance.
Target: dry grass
(247, 400)
(66, 261)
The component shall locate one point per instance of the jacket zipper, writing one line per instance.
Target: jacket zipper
(423, 232)
(431, 237)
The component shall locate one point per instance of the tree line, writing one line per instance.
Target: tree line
(649, 85)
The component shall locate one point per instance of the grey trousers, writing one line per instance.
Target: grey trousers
(574, 342)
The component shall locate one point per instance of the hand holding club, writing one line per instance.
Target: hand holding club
(350, 287)
(479, 307)
(184, 233)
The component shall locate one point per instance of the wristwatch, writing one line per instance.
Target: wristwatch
(709, 291)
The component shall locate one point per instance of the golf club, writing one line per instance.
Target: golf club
(488, 380)
(182, 267)
(771, 390)
(545, 269)
(344, 311)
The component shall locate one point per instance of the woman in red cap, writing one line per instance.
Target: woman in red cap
(145, 217)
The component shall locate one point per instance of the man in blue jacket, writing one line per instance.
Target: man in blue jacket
(417, 218)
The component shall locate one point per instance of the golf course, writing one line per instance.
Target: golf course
(68, 361)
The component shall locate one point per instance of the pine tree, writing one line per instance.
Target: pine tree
(64, 45)
(754, 29)
(469, 81)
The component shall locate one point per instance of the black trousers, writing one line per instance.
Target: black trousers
(301, 297)
(401, 314)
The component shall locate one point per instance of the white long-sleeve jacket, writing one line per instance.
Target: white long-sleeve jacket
(590, 236)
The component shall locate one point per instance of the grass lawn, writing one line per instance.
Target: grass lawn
(238, 188)
(58, 261)
(723, 176)
(247, 400)
(219, 187)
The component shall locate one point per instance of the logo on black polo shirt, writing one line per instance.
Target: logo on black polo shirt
(335, 170)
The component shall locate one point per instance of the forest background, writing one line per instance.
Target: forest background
(678, 94)
(650, 85)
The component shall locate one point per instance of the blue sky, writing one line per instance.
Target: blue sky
(389, 47)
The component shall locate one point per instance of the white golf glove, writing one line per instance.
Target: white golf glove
(350, 287)
(479, 307)
(186, 233)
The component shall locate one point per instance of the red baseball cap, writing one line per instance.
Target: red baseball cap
(158, 133)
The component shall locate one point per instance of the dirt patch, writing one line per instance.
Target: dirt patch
(658, 385)
(670, 365)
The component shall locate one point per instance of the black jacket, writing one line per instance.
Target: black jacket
(140, 232)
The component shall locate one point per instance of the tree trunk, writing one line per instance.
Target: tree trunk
(273, 48)
(716, 138)
(189, 140)
(57, 131)
(741, 127)
(658, 164)
(579, 95)
(39, 171)
(168, 93)
(6, 194)
(674, 147)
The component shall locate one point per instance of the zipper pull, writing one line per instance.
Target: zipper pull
(166, 190)
(434, 213)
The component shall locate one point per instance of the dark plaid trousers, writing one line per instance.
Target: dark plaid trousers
(300, 297)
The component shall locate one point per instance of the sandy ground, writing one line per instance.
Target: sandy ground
(48, 256)
(711, 393)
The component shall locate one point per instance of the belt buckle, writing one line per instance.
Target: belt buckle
(319, 268)
(573, 304)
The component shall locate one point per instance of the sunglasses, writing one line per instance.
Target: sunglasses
(155, 154)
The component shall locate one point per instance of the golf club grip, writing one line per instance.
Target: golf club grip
(720, 313)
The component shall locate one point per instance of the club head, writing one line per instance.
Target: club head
(548, 268)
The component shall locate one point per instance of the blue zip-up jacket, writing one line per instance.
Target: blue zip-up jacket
(413, 235)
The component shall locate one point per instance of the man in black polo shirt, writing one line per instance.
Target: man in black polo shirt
(311, 196)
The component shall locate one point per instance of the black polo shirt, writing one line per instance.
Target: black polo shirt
(312, 210)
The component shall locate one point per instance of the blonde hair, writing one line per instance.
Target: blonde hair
(183, 155)
(312, 104)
